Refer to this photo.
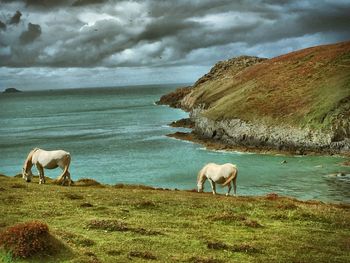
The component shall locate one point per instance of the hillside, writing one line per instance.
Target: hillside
(91, 222)
(298, 101)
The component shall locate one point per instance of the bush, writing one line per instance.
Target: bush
(26, 239)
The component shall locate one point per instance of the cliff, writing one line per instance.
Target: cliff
(296, 102)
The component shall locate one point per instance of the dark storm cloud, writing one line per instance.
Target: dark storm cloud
(90, 33)
(16, 18)
(2, 25)
(87, 2)
(33, 32)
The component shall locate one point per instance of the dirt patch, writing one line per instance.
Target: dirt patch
(218, 246)
(86, 205)
(17, 185)
(109, 225)
(142, 254)
(87, 182)
(113, 252)
(245, 248)
(204, 260)
(75, 239)
(287, 206)
(272, 196)
(227, 217)
(146, 232)
(145, 204)
(252, 223)
(73, 196)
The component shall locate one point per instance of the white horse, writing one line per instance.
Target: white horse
(222, 174)
(49, 160)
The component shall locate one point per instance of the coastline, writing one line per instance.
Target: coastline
(219, 145)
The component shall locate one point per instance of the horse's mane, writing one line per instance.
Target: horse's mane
(29, 158)
(200, 172)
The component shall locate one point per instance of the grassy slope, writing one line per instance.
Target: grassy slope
(302, 88)
(178, 226)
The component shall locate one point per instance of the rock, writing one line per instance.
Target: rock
(11, 90)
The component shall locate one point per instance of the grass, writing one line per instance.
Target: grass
(299, 89)
(140, 224)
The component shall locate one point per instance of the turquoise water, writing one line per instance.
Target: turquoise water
(118, 135)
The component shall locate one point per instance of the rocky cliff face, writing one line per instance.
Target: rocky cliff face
(296, 102)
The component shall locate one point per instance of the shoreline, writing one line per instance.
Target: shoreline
(219, 145)
(92, 183)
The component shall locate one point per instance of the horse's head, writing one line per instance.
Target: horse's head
(200, 186)
(27, 176)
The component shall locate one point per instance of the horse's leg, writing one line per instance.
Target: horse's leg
(234, 185)
(229, 189)
(213, 187)
(41, 173)
(69, 179)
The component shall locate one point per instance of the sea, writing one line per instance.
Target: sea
(118, 135)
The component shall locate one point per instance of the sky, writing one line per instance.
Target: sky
(46, 44)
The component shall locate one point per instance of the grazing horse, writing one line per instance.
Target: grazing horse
(222, 174)
(49, 160)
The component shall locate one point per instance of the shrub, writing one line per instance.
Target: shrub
(26, 239)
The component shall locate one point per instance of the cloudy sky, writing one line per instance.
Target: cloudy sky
(89, 43)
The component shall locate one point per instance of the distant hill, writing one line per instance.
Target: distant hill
(298, 101)
(11, 90)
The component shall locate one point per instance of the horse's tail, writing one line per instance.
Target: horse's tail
(231, 177)
(62, 177)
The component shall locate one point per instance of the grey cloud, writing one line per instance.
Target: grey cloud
(16, 18)
(165, 33)
(33, 32)
(87, 2)
(2, 25)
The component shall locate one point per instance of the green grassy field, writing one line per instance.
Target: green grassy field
(137, 224)
(305, 88)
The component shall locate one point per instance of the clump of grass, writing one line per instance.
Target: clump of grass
(145, 204)
(245, 248)
(126, 186)
(17, 185)
(252, 223)
(73, 196)
(204, 260)
(145, 232)
(142, 254)
(272, 196)
(87, 182)
(2, 189)
(113, 252)
(217, 245)
(75, 239)
(109, 225)
(227, 217)
(86, 205)
(287, 206)
(24, 240)
(92, 257)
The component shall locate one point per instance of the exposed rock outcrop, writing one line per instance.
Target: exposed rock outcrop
(298, 102)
